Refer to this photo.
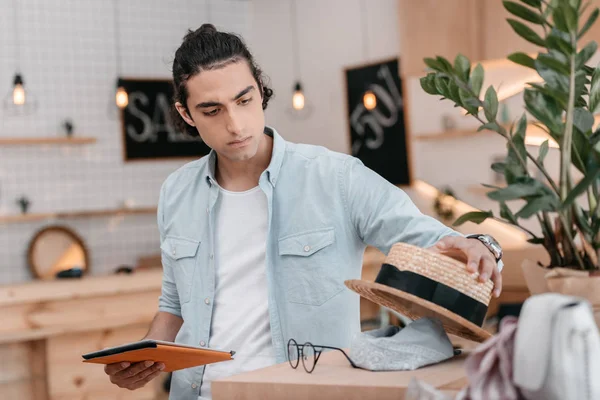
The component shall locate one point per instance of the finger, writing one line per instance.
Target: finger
(497, 279)
(111, 369)
(474, 259)
(446, 242)
(143, 382)
(148, 371)
(134, 369)
(486, 268)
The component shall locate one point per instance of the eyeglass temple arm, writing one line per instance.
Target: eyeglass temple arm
(343, 352)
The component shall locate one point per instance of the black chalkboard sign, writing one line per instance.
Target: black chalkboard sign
(378, 136)
(148, 131)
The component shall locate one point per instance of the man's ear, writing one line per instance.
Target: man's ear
(184, 113)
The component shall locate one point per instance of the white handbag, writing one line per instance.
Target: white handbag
(557, 349)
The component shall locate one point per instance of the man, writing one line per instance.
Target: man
(258, 237)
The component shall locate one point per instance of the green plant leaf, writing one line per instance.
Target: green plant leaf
(454, 93)
(583, 119)
(433, 64)
(585, 54)
(554, 80)
(553, 63)
(561, 98)
(462, 66)
(559, 19)
(543, 152)
(535, 205)
(476, 79)
(588, 24)
(507, 214)
(490, 126)
(532, 3)
(522, 189)
(428, 84)
(469, 103)
(445, 64)
(545, 109)
(595, 91)
(580, 150)
(514, 170)
(499, 167)
(581, 81)
(526, 32)
(581, 187)
(473, 216)
(441, 83)
(571, 16)
(523, 12)
(522, 59)
(556, 41)
(491, 104)
(518, 138)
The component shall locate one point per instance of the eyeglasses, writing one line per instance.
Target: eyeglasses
(309, 354)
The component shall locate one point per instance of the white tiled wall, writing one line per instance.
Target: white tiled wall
(68, 61)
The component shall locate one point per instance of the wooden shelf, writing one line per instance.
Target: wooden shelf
(534, 136)
(13, 141)
(7, 219)
(452, 134)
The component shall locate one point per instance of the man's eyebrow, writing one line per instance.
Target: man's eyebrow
(214, 103)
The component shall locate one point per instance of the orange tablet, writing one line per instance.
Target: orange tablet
(174, 356)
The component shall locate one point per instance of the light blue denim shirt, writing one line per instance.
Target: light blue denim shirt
(324, 208)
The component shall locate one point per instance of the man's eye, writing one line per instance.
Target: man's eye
(211, 113)
(245, 101)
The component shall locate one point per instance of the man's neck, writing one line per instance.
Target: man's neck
(244, 175)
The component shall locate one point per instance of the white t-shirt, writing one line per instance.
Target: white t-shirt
(240, 319)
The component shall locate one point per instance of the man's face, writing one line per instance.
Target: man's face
(225, 106)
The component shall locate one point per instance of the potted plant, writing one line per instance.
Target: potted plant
(563, 105)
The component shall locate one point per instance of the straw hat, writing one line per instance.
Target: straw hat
(420, 283)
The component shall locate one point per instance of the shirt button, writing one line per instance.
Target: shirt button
(174, 252)
(212, 256)
(207, 300)
(306, 248)
(207, 211)
(203, 343)
(194, 386)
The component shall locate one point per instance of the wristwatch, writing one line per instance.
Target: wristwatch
(489, 242)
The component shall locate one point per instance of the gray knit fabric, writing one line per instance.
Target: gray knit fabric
(420, 343)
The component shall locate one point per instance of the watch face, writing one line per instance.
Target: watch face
(494, 245)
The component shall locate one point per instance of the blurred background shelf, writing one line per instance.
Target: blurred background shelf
(15, 141)
(534, 135)
(7, 219)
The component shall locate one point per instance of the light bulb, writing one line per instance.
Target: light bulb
(298, 100)
(369, 100)
(121, 97)
(19, 95)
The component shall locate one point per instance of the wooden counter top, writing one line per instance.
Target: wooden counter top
(333, 378)
(43, 309)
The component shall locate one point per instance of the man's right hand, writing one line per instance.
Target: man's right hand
(133, 376)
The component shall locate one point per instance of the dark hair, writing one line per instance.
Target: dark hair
(206, 49)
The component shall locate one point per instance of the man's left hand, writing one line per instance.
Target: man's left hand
(475, 255)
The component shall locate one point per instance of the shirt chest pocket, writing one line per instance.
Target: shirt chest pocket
(310, 268)
(182, 254)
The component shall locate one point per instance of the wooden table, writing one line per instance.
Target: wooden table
(333, 378)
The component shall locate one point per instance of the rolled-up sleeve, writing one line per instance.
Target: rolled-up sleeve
(169, 298)
(383, 214)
